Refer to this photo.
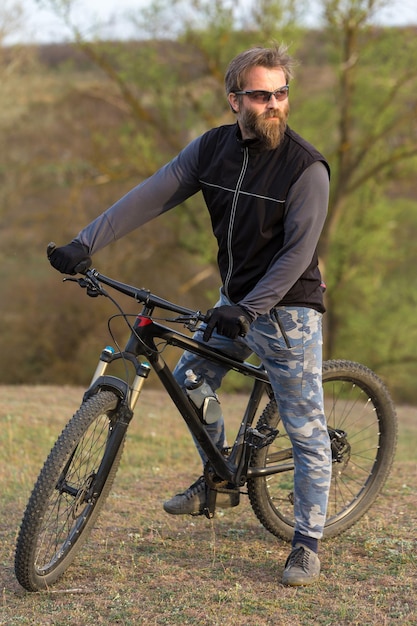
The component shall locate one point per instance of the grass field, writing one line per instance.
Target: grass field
(142, 566)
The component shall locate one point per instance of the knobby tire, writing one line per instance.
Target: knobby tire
(357, 403)
(58, 516)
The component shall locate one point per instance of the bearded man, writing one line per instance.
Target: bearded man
(266, 189)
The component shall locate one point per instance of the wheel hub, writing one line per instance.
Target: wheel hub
(340, 447)
(80, 499)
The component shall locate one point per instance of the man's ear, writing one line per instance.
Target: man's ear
(233, 102)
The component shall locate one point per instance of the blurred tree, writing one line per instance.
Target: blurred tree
(11, 17)
(375, 144)
(354, 98)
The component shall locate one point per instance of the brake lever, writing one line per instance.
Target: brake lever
(72, 280)
(190, 322)
(93, 289)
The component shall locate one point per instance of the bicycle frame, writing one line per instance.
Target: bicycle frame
(78, 473)
(142, 352)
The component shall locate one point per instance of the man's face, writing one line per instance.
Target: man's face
(262, 120)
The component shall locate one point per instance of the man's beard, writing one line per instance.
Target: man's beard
(269, 132)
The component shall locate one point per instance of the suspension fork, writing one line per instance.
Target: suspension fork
(124, 411)
(129, 394)
(116, 437)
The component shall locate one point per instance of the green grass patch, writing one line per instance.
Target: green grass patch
(142, 566)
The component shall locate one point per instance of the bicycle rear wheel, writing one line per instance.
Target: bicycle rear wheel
(362, 424)
(62, 510)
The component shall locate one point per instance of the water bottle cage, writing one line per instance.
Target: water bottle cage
(210, 410)
(203, 398)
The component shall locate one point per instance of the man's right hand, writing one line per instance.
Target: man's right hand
(69, 259)
(230, 321)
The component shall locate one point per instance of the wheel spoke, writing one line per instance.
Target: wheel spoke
(362, 428)
(67, 508)
(60, 512)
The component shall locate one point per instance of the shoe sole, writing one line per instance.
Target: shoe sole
(177, 512)
(224, 501)
(300, 582)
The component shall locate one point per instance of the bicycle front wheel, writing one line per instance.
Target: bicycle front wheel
(61, 510)
(362, 425)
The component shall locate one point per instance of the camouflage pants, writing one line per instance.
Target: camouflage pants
(288, 340)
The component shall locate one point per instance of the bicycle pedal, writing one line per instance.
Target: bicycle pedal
(259, 438)
(210, 506)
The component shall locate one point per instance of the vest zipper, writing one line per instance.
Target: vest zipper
(232, 221)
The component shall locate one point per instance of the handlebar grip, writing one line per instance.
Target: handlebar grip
(80, 268)
(83, 266)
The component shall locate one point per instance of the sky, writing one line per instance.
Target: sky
(42, 26)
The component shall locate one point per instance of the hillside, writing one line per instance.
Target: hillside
(79, 128)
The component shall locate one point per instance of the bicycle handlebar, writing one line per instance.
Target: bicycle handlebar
(141, 295)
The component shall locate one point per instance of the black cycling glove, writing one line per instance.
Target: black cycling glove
(70, 259)
(229, 320)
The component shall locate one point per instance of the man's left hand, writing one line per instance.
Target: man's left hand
(229, 320)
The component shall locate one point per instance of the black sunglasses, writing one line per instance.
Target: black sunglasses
(261, 96)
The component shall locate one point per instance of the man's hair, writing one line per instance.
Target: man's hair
(271, 58)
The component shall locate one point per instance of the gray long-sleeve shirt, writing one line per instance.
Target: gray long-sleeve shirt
(267, 209)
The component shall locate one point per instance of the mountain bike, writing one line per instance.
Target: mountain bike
(79, 472)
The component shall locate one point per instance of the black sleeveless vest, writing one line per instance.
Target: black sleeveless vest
(245, 188)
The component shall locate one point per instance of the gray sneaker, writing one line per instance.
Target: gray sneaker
(302, 567)
(193, 500)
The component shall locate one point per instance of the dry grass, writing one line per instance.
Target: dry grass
(142, 566)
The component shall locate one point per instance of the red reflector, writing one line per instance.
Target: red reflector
(144, 321)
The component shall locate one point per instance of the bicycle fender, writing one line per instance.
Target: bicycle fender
(110, 383)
